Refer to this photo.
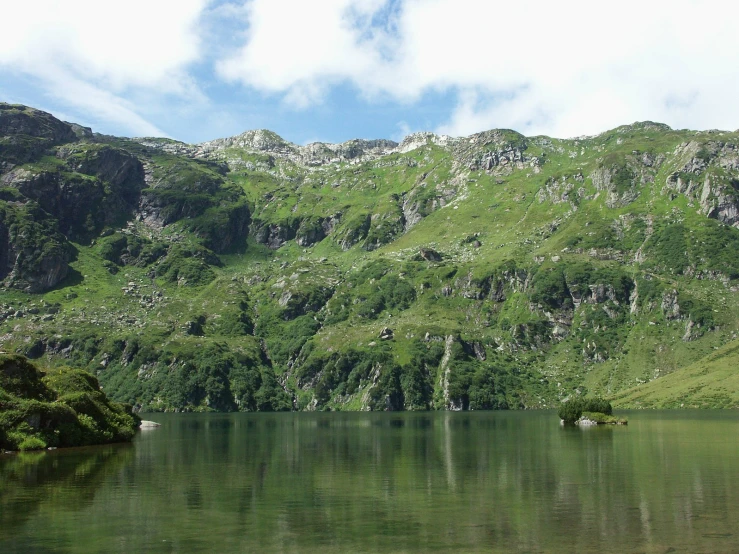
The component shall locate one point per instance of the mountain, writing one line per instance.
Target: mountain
(482, 272)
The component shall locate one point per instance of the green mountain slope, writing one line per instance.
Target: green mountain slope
(711, 382)
(492, 271)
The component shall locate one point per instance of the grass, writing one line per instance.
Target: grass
(604, 419)
(710, 382)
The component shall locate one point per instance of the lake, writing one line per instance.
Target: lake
(384, 482)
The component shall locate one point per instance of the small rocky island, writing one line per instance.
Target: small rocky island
(588, 411)
(58, 408)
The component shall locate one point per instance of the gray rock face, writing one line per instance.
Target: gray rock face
(594, 294)
(264, 141)
(27, 262)
(26, 133)
(310, 232)
(116, 166)
(491, 150)
(670, 306)
(259, 139)
(83, 205)
(709, 174)
(152, 211)
(720, 201)
(417, 140)
(274, 235)
(330, 223)
(319, 153)
(621, 184)
(21, 120)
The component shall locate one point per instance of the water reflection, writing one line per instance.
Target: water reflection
(35, 482)
(391, 482)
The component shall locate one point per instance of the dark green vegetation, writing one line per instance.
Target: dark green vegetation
(594, 409)
(64, 407)
(494, 271)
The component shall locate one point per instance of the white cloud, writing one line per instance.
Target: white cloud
(91, 54)
(301, 48)
(561, 68)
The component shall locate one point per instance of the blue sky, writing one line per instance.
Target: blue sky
(332, 70)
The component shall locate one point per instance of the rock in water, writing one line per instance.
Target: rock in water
(149, 424)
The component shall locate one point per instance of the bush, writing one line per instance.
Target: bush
(570, 411)
(32, 443)
(549, 288)
(598, 405)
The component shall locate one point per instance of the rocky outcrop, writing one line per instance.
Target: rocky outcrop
(115, 166)
(357, 150)
(621, 183)
(491, 150)
(26, 133)
(429, 254)
(21, 120)
(274, 235)
(386, 334)
(97, 186)
(721, 201)
(708, 173)
(563, 189)
(186, 189)
(63, 408)
(260, 140)
(264, 141)
(354, 231)
(417, 140)
(34, 256)
(592, 294)
(670, 306)
(296, 302)
(411, 211)
(452, 404)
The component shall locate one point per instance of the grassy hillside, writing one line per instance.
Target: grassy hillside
(712, 382)
(492, 271)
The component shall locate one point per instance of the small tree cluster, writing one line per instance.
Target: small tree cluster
(572, 410)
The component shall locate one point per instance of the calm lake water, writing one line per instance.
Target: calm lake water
(359, 482)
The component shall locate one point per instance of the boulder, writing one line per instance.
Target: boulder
(386, 334)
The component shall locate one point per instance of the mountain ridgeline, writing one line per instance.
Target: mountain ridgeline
(486, 272)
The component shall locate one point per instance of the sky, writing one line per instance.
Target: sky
(333, 70)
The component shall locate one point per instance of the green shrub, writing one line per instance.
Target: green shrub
(668, 247)
(188, 265)
(31, 443)
(600, 417)
(598, 405)
(570, 411)
(549, 288)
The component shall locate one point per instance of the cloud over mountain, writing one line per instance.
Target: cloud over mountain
(563, 69)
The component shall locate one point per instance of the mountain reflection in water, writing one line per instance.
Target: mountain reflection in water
(367, 482)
